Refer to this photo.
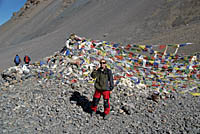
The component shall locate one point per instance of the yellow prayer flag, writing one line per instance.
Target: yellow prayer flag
(176, 68)
(139, 60)
(108, 66)
(151, 61)
(142, 46)
(195, 94)
(103, 54)
(182, 92)
(87, 61)
(85, 74)
(90, 81)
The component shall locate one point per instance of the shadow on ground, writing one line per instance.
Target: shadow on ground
(82, 101)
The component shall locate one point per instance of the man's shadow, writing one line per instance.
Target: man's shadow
(81, 101)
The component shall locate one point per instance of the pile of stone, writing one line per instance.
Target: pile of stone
(75, 62)
(54, 96)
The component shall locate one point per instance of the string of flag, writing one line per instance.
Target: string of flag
(162, 71)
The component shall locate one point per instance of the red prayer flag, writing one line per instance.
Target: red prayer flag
(119, 57)
(73, 81)
(128, 75)
(128, 47)
(198, 76)
(118, 77)
(92, 46)
(162, 46)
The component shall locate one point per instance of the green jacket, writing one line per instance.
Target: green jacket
(104, 79)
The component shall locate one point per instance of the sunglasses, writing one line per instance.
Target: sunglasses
(103, 63)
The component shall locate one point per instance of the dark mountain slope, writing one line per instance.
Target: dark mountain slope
(41, 29)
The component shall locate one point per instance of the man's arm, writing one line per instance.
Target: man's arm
(94, 74)
(111, 80)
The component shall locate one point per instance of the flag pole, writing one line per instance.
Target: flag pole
(165, 51)
(177, 47)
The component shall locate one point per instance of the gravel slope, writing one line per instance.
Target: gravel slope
(50, 107)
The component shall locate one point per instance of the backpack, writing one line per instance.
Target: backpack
(27, 59)
(17, 59)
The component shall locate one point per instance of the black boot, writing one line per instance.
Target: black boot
(106, 116)
(92, 113)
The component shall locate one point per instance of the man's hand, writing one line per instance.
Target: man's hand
(111, 94)
(97, 67)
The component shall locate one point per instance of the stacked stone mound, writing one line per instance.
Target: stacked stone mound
(72, 65)
(76, 61)
(54, 96)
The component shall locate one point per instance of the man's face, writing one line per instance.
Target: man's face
(103, 63)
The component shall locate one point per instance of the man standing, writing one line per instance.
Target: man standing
(27, 59)
(103, 86)
(17, 60)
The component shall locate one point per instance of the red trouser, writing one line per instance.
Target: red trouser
(96, 98)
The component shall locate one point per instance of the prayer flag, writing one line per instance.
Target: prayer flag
(162, 46)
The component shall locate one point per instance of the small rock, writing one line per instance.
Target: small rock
(14, 82)
(150, 110)
(6, 84)
(121, 111)
(4, 88)
(126, 109)
(155, 96)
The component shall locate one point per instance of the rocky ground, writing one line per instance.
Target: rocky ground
(38, 106)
